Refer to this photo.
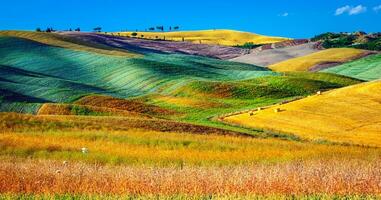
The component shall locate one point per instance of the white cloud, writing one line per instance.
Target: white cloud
(342, 10)
(350, 10)
(377, 8)
(286, 14)
(357, 10)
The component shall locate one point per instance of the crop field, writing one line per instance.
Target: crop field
(336, 116)
(67, 42)
(26, 72)
(368, 68)
(47, 152)
(101, 116)
(272, 56)
(218, 37)
(318, 60)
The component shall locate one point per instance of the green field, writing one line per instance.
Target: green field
(87, 120)
(35, 73)
(368, 68)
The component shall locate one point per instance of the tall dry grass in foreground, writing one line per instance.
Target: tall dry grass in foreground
(329, 177)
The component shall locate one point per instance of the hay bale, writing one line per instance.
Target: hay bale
(84, 150)
(318, 92)
(276, 110)
(251, 114)
(259, 109)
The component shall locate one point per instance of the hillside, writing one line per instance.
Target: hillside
(217, 37)
(37, 73)
(271, 56)
(319, 60)
(368, 68)
(73, 43)
(347, 115)
(359, 40)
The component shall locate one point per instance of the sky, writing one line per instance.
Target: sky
(287, 18)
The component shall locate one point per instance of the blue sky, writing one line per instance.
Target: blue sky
(290, 18)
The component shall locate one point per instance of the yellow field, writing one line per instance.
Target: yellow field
(347, 115)
(55, 39)
(306, 63)
(322, 177)
(116, 141)
(219, 37)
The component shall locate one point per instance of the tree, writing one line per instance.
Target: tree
(134, 34)
(176, 28)
(97, 29)
(152, 29)
(170, 28)
(160, 28)
(38, 29)
(78, 29)
(49, 30)
(70, 29)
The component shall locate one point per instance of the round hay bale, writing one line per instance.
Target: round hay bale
(276, 110)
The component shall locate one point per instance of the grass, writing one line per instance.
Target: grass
(368, 68)
(31, 71)
(199, 101)
(218, 37)
(347, 115)
(307, 63)
(150, 124)
(63, 41)
(187, 197)
(324, 178)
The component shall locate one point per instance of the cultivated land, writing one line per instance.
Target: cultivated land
(348, 115)
(368, 68)
(105, 116)
(272, 56)
(319, 60)
(217, 37)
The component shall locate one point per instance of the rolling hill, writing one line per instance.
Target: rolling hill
(368, 68)
(35, 73)
(347, 115)
(276, 55)
(319, 60)
(217, 37)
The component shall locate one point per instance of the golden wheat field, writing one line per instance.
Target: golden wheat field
(328, 56)
(347, 115)
(218, 37)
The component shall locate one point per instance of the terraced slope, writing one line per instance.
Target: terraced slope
(218, 37)
(319, 60)
(347, 115)
(368, 68)
(35, 72)
(272, 56)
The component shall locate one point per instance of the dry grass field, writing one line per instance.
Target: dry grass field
(312, 61)
(218, 37)
(43, 155)
(321, 177)
(347, 115)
